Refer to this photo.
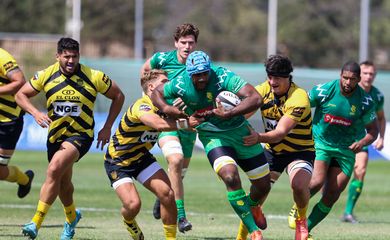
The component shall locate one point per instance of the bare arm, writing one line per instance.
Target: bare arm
(117, 97)
(17, 81)
(146, 67)
(371, 135)
(155, 121)
(251, 101)
(22, 98)
(159, 101)
(284, 126)
(382, 129)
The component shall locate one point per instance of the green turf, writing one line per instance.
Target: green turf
(206, 205)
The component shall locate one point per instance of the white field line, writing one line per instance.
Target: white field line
(27, 206)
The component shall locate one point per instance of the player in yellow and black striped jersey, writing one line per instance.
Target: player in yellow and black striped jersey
(287, 122)
(128, 157)
(11, 122)
(71, 89)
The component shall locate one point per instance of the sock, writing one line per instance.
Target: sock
(301, 212)
(242, 232)
(70, 213)
(181, 213)
(240, 204)
(355, 188)
(319, 212)
(133, 228)
(40, 214)
(170, 231)
(15, 175)
(252, 203)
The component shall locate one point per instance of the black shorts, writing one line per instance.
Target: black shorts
(83, 144)
(10, 133)
(116, 172)
(278, 163)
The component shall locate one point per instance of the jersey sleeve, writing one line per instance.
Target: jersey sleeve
(298, 106)
(229, 80)
(313, 96)
(157, 60)
(37, 81)
(369, 115)
(381, 102)
(102, 81)
(262, 89)
(140, 108)
(170, 90)
(8, 63)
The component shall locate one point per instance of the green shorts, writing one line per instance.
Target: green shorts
(232, 138)
(187, 140)
(345, 158)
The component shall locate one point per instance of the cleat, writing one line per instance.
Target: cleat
(310, 237)
(292, 217)
(23, 190)
(256, 235)
(301, 230)
(242, 232)
(349, 218)
(30, 230)
(156, 209)
(184, 225)
(69, 228)
(134, 230)
(259, 217)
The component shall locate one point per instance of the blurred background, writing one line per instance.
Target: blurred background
(116, 36)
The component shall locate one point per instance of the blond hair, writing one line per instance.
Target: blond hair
(150, 76)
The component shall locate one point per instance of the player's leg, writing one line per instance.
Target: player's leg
(356, 185)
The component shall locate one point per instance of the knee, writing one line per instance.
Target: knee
(231, 180)
(132, 206)
(299, 188)
(166, 196)
(175, 162)
(360, 172)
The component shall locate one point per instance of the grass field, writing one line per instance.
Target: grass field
(206, 205)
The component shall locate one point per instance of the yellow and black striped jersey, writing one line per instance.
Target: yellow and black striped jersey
(9, 110)
(70, 100)
(133, 139)
(295, 105)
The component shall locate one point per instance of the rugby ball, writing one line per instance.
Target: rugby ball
(228, 99)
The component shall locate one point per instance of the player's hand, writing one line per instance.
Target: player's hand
(220, 110)
(103, 137)
(174, 112)
(194, 120)
(356, 147)
(178, 102)
(378, 145)
(42, 119)
(252, 138)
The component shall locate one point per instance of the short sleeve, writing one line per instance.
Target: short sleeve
(37, 81)
(8, 63)
(298, 106)
(141, 108)
(103, 82)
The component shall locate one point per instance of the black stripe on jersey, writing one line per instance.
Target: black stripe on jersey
(126, 134)
(87, 110)
(130, 123)
(121, 147)
(83, 123)
(4, 80)
(8, 103)
(81, 89)
(62, 125)
(55, 89)
(133, 154)
(300, 136)
(80, 74)
(7, 114)
(52, 77)
(292, 145)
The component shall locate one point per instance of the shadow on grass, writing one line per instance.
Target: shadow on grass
(46, 226)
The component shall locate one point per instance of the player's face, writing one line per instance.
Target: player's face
(153, 84)
(367, 75)
(69, 61)
(185, 45)
(348, 82)
(279, 85)
(200, 80)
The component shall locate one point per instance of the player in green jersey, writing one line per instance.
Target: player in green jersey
(176, 146)
(223, 130)
(71, 89)
(368, 73)
(339, 107)
(11, 123)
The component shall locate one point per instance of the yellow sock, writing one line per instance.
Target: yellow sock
(242, 232)
(170, 231)
(40, 214)
(70, 213)
(15, 175)
(133, 228)
(301, 212)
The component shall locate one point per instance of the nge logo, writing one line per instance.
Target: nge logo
(66, 109)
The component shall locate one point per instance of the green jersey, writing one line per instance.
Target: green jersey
(168, 61)
(336, 118)
(203, 102)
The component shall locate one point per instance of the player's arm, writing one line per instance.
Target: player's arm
(155, 121)
(159, 101)
(251, 101)
(371, 135)
(117, 99)
(22, 98)
(17, 80)
(380, 115)
(284, 126)
(146, 67)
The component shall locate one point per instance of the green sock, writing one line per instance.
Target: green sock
(181, 213)
(240, 204)
(355, 188)
(319, 212)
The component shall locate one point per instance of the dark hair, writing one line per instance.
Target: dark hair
(351, 66)
(278, 66)
(67, 44)
(185, 30)
(151, 76)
